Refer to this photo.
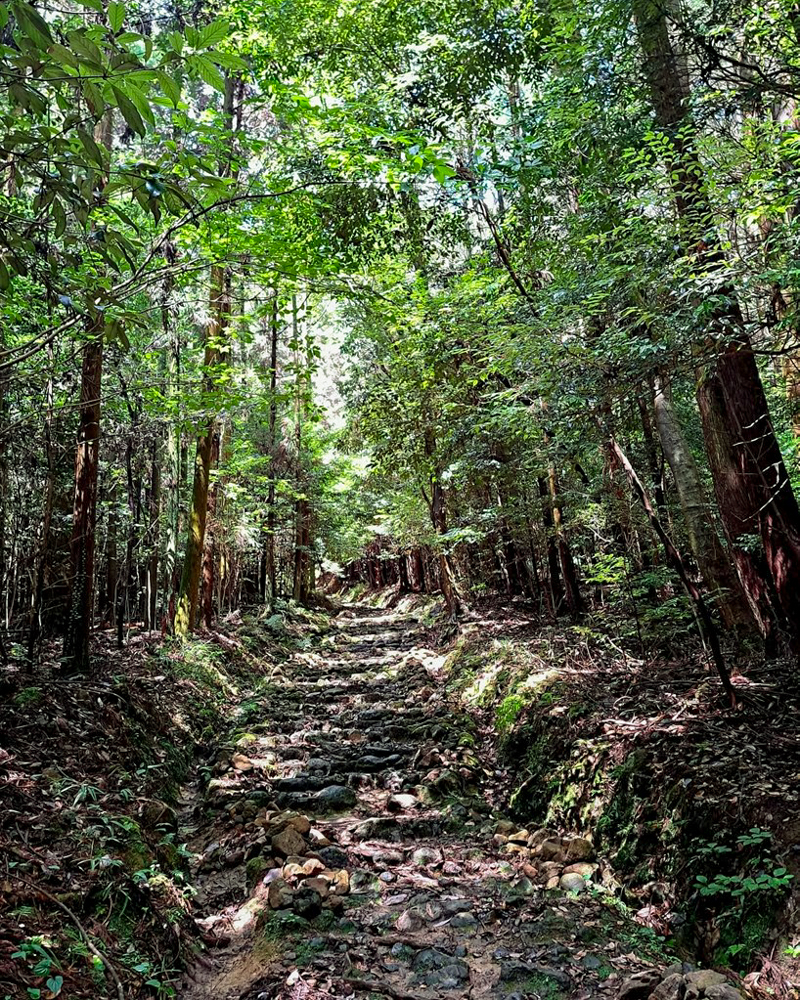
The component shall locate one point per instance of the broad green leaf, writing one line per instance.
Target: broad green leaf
(5, 277)
(59, 216)
(140, 101)
(116, 15)
(63, 55)
(129, 111)
(229, 60)
(33, 24)
(170, 87)
(213, 34)
(85, 48)
(208, 72)
(92, 148)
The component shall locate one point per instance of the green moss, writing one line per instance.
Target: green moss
(539, 985)
(255, 869)
(508, 712)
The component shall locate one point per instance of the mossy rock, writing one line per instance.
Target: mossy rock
(255, 869)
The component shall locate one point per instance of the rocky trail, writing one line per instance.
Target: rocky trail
(349, 845)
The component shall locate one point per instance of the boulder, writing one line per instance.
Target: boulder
(409, 921)
(579, 849)
(280, 894)
(339, 881)
(551, 850)
(519, 837)
(334, 857)
(572, 882)
(401, 802)
(426, 856)
(288, 842)
(671, 988)
(582, 868)
(640, 985)
(698, 983)
(723, 991)
(298, 822)
(335, 798)
(319, 885)
(307, 902)
(538, 837)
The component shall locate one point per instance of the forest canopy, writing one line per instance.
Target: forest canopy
(506, 292)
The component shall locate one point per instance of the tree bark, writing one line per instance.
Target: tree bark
(84, 516)
(269, 554)
(80, 611)
(750, 479)
(189, 593)
(674, 559)
(706, 547)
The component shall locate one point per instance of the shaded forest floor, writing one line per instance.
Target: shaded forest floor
(349, 805)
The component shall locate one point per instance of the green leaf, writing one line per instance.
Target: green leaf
(54, 984)
(33, 24)
(138, 98)
(116, 15)
(63, 55)
(94, 99)
(208, 72)
(213, 34)
(229, 60)
(170, 87)
(59, 216)
(85, 48)
(5, 277)
(129, 111)
(93, 151)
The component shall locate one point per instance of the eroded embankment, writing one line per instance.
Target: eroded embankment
(693, 805)
(95, 889)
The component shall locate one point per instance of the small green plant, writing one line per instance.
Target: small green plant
(40, 962)
(28, 697)
(760, 873)
(739, 885)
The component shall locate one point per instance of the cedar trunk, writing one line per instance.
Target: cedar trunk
(84, 515)
(750, 480)
(704, 542)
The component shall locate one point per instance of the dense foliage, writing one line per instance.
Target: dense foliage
(505, 293)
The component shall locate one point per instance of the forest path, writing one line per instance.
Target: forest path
(354, 818)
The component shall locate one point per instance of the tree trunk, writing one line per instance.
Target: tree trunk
(553, 560)
(269, 554)
(707, 549)
(674, 559)
(154, 504)
(750, 480)
(84, 516)
(189, 594)
(174, 470)
(447, 577)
